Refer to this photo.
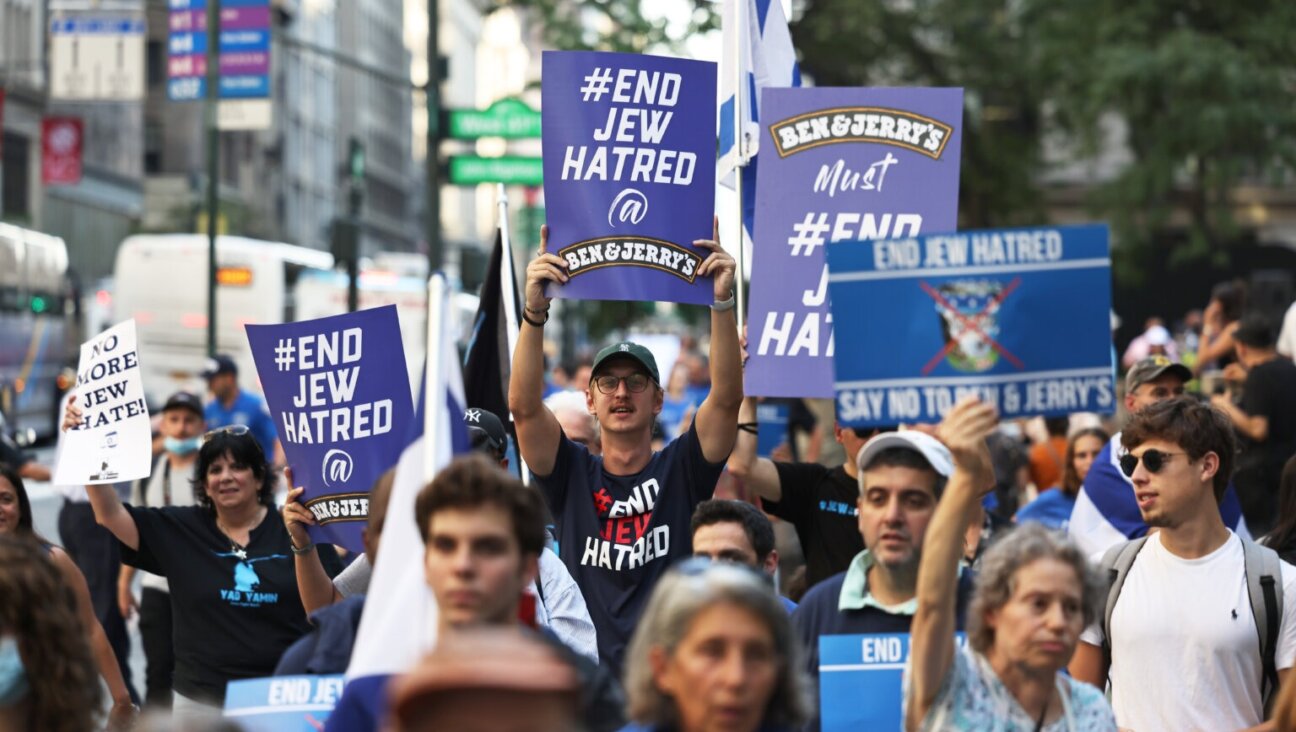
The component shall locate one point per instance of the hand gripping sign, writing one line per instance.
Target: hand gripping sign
(837, 165)
(629, 173)
(339, 393)
(1018, 317)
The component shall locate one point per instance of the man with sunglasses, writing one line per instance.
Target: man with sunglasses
(1106, 512)
(623, 518)
(1179, 645)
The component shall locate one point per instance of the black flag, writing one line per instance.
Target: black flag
(486, 361)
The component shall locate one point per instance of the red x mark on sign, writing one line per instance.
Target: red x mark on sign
(972, 323)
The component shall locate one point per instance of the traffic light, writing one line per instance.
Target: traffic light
(39, 304)
(345, 242)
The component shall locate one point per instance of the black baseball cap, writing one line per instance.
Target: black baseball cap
(184, 400)
(219, 364)
(632, 351)
(485, 430)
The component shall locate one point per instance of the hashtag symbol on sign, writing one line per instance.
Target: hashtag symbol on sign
(808, 234)
(284, 354)
(596, 84)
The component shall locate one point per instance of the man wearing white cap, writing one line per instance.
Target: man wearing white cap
(901, 476)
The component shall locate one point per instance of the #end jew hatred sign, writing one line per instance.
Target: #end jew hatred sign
(629, 173)
(861, 680)
(113, 443)
(1017, 317)
(339, 393)
(283, 703)
(837, 165)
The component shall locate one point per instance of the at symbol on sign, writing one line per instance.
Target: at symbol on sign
(629, 206)
(337, 467)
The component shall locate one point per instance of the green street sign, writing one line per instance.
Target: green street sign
(519, 170)
(508, 118)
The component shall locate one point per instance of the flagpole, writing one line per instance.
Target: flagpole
(433, 376)
(508, 290)
(740, 151)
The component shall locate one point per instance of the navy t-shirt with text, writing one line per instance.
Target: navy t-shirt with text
(619, 533)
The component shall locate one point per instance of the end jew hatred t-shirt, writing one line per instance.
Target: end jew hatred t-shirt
(233, 617)
(619, 533)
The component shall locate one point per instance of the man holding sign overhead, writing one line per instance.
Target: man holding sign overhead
(622, 518)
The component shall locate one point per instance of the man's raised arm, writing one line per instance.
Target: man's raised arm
(717, 417)
(757, 473)
(538, 431)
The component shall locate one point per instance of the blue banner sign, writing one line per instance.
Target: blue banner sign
(283, 703)
(1018, 317)
(339, 392)
(860, 681)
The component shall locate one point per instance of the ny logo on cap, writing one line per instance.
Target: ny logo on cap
(473, 415)
(625, 347)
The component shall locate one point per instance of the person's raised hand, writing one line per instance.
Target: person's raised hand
(71, 414)
(296, 516)
(718, 263)
(546, 267)
(964, 431)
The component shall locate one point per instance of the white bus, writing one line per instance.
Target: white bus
(39, 333)
(161, 282)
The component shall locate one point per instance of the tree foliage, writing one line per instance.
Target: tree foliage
(612, 25)
(1202, 90)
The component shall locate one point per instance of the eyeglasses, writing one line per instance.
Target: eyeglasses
(607, 383)
(235, 430)
(1153, 460)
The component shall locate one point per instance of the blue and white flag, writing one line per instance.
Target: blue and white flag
(1106, 512)
(757, 33)
(399, 621)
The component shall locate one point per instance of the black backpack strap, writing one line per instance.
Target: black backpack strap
(1263, 573)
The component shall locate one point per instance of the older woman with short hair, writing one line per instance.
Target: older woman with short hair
(1034, 595)
(714, 650)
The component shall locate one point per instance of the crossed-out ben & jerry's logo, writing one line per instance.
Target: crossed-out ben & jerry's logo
(625, 540)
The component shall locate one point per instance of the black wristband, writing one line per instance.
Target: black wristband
(752, 427)
(536, 323)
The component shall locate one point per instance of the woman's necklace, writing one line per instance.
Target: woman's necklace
(237, 549)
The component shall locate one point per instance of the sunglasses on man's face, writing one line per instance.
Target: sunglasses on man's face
(1153, 460)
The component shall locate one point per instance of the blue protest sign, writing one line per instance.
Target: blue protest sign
(338, 390)
(837, 164)
(629, 173)
(1019, 317)
(860, 680)
(283, 703)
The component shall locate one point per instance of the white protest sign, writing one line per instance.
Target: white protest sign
(113, 443)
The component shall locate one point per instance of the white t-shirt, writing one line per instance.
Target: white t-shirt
(165, 486)
(1185, 651)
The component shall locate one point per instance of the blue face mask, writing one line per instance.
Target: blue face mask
(13, 676)
(182, 447)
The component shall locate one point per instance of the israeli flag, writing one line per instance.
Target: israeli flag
(756, 36)
(399, 622)
(1106, 512)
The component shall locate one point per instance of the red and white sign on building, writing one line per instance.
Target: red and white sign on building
(61, 140)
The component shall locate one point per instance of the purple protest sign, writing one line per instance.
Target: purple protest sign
(835, 165)
(629, 173)
(339, 393)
